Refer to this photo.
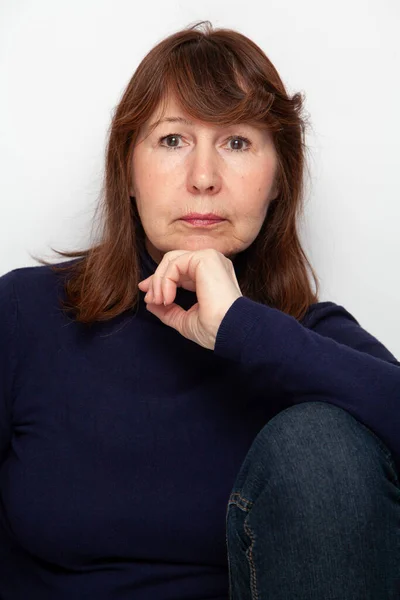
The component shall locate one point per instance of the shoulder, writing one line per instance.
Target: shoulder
(336, 322)
(326, 311)
(31, 291)
(34, 279)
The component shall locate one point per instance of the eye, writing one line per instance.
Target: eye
(241, 139)
(166, 137)
(175, 136)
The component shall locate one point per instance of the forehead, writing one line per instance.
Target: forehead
(171, 111)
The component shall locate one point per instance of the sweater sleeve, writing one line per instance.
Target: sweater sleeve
(8, 324)
(326, 357)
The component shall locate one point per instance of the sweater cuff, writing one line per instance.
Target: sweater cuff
(238, 322)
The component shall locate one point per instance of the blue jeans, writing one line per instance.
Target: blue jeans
(314, 513)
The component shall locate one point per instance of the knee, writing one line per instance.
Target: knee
(314, 448)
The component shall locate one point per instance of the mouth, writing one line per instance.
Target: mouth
(202, 222)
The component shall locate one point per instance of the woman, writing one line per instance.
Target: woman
(180, 417)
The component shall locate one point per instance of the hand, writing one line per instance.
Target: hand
(208, 273)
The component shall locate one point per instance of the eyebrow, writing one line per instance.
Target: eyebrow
(181, 120)
(173, 120)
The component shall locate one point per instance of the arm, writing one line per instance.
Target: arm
(327, 357)
(8, 323)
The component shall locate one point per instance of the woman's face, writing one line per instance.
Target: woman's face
(198, 169)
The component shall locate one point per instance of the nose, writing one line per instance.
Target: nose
(203, 171)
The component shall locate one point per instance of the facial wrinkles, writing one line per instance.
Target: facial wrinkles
(194, 150)
(209, 143)
(212, 138)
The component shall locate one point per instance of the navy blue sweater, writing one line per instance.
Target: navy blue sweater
(120, 442)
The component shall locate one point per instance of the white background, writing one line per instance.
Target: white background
(63, 69)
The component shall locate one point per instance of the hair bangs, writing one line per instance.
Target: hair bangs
(211, 85)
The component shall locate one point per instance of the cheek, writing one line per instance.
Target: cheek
(154, 211)
(254, 200)
(154, 182)
(262, 189)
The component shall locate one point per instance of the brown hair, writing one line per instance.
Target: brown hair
(220, 76)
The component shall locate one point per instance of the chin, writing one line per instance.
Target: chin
(200, 244)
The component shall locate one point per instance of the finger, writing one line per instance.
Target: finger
(169, 284)
(167, 259)
(149, 295)
(144, 283)
(172, 315)
(149, 289)
(152, 297)
(159, 299)
(175, 276)
(160, 290)
(156, 283)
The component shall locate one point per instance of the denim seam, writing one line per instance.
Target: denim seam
(249, 554)
(243, 504)
(237, 496)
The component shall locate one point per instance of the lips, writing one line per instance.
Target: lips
(202, 217)
(203, 222)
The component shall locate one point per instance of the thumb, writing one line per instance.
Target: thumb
(171, 315)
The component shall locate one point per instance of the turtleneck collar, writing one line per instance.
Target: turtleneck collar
(147, 264)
